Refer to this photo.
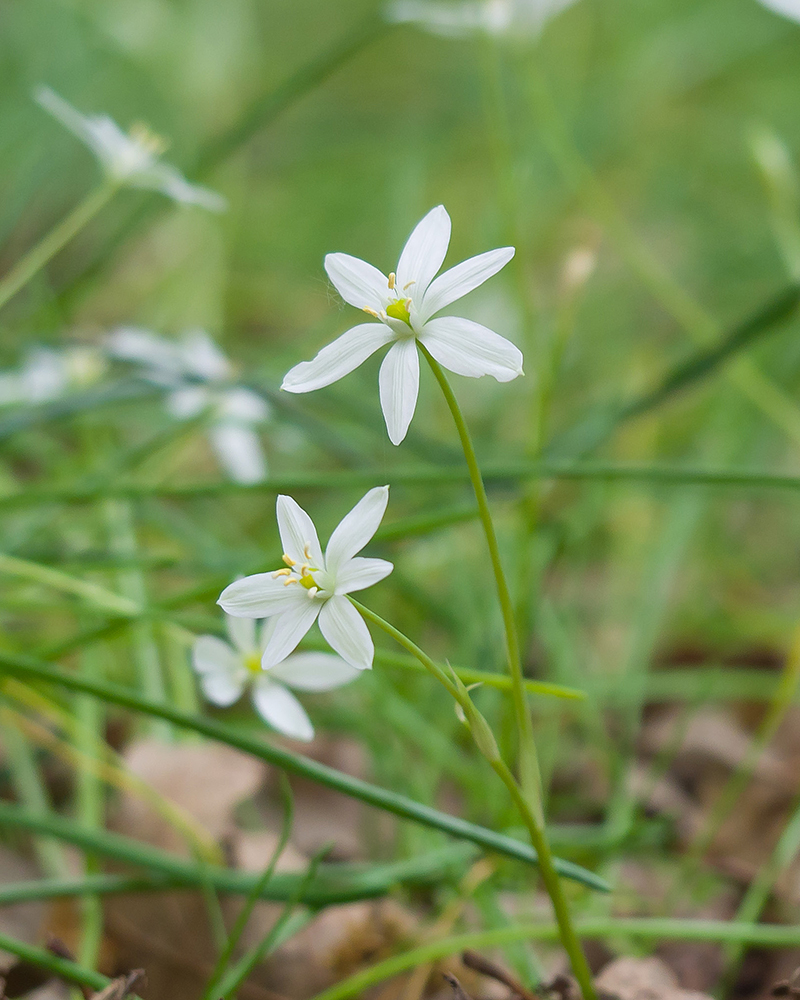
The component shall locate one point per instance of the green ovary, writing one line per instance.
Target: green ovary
(399, 310)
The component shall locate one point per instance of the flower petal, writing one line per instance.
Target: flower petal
(358, 574)
(356, 528)
(470, 349)
(238, 449)
(347, 633)
(188, 401)
(298, 534)
(424, 253)
(290, 628)
(259, 596)
(399, 387)
(244, 406)
(242, 632)
(314, 671)
(62, 110)
(462, 278)
(171, 182)
(359, 283)
(281, 710)
(222, 674)
(338, 359)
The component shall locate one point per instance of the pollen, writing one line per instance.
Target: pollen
(393, 281)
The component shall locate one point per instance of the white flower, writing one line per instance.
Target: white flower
(47, 374)
(131, 160)
(312, 586)
(509, 18)
(789, 8)
(226, 669)
(200, 378)
(404, 305)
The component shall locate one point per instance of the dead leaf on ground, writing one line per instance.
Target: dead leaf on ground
(642, 979)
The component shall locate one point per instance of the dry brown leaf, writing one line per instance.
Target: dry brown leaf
(642, 979)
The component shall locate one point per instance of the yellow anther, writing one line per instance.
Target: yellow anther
(409, 284)
(253, 663)
(141, 134)
(288, 560)
(281, 572)
(312, 591)
(306, 553)
(371, 312)
(392, 281)
(290, 579)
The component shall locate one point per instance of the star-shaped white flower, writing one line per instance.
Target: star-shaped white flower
(130, 160)
(312, 585)
(405, 304)
(500, 18)
(47, 374)
(200, 378)
(789, 8)
(226, 669)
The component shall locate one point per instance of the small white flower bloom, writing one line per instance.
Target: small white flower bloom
(789, 8)
(405, 305)
(312, 585)
(47, 374)
(131, 160)
(501, 18)
(226, 669)
(200, 379)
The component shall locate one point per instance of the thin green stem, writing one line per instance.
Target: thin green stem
(253, 897)
(58, 237)
(569, 938)
(60, 967)
(639, 928)
(529, 766)
(381, 798)
(89, 716)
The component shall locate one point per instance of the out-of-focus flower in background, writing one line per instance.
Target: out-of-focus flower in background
(226, 669)
(789, 8)
(48, 373)
(405, 304)
(200, 379)
(509, 18)
(128, 159)
(312, 585)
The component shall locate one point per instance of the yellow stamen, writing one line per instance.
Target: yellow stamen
(288, 560)
(370, 312)
(409, 284)
(392, 281)
(281, 572)
(253, 663)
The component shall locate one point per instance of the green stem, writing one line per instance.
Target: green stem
(60, 967)
(89, 716)
(58, 237)
(399, 805)
(569, 938)
(640, 928)
(529, 766)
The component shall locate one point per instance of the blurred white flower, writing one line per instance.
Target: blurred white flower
(312, 586)
(517, 18)
(200, 380)
(404, 304)
(128, 159)
(789, 8)
(47, 374)
(226, 669)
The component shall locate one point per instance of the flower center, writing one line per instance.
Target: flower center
(299, 572)
(253, 663)
(399, 310)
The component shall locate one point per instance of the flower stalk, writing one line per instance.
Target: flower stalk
(530, 816)
(58, 237)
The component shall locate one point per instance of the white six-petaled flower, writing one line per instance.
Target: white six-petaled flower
(226, 669)
(500, 18)
(47, 374)
(405, 305)
(200, 380)
(128, 159)
(311, 585)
